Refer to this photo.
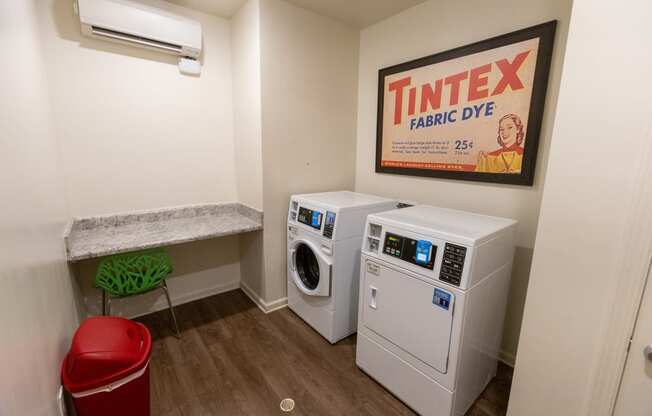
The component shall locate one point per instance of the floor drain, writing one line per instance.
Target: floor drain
(287, 405)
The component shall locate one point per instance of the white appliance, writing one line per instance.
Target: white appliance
(133, 23)
(433, 293)
(323, 241)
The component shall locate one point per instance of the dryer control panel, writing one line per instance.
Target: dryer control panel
(419, 252)
(432, 257)
(442, 245)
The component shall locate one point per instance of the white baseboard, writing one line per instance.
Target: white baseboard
(277, 304)
(162, 304)
(507, 358)
(266, 307)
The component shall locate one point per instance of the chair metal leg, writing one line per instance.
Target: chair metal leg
(106, 303)
(164, 286)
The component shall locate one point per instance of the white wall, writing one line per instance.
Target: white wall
(247, 119)
(603, 119)
(309, 80)
(437, 26)
(37, 307)
(245, 47)
(134, 132)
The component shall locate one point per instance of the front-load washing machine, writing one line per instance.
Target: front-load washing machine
(433, 293)
(323, 241)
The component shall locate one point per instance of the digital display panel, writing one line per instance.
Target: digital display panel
(310, 217)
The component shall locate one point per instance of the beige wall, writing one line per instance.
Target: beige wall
(436, 26)
(245, 47)
(245, 58)
(603, 119)
(309, 80)
(37, 308)
(134, 132)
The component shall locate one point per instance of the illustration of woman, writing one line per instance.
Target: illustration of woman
(509, 157)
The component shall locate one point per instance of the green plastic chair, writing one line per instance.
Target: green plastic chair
(134, 273)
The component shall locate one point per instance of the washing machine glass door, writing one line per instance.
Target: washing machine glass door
(310, 269)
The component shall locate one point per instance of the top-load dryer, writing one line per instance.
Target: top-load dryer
(433, 292)
(323, 241)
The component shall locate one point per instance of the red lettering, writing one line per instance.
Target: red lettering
(412, 98)
(476, 82)
(454, 81)
(510, 77)
(431, 97)
(397, 88)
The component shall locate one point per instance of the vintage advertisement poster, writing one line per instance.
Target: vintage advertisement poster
(472, 113)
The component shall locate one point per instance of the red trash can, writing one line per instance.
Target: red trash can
(106, 370)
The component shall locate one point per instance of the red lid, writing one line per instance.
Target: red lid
(105, 350)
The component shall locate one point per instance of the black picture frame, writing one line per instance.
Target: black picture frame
(546, 34)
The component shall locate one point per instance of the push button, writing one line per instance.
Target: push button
(452, 264)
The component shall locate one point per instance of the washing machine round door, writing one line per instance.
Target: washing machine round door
(311, 270)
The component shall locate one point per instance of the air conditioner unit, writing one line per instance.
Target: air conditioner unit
(132, 23)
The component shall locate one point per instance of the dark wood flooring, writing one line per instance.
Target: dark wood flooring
(233, 359)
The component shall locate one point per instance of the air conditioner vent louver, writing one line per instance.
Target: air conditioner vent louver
(137, 40)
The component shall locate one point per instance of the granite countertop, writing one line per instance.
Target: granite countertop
(91, 237)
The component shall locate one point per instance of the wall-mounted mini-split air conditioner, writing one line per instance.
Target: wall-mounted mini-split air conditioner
(132, 23)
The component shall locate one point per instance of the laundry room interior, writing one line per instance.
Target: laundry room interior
(325, 207)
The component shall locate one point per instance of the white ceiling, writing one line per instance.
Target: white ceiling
(356, 13)
(222, 8)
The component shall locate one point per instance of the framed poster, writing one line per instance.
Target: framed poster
(471, 113)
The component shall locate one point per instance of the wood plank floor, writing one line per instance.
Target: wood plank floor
(233, 360)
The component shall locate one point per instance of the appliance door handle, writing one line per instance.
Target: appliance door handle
(373, 291)
(293, 252)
